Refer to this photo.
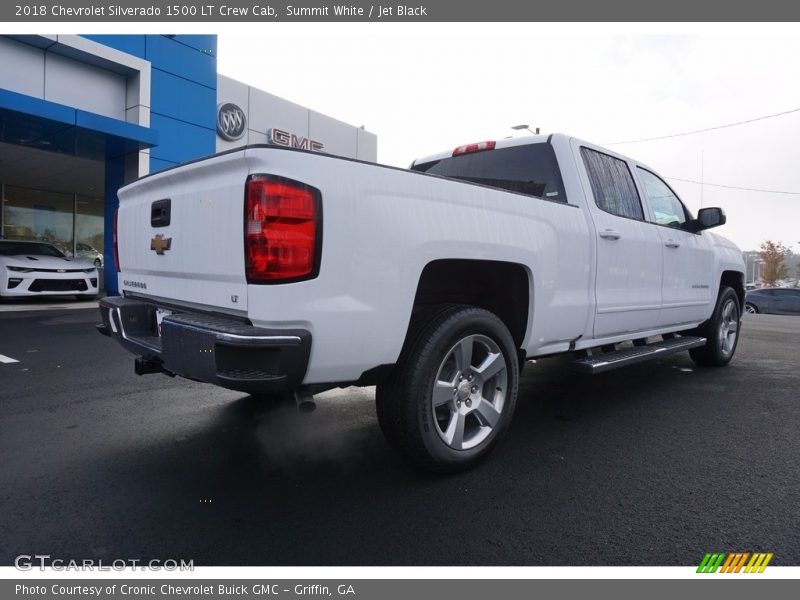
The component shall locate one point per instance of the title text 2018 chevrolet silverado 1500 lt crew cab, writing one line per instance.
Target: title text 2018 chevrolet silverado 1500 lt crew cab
(276, 271)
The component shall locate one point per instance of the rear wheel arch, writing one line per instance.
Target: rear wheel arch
(502, 288)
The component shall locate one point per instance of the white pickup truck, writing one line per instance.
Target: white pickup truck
(276, 271)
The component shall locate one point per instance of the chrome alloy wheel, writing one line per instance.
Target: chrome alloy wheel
(469, 392)
(750, 309)
(728, 327)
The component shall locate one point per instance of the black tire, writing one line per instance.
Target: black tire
(750, 308)
(447, 429)
(721, 330)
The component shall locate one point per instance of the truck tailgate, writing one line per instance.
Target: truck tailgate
(180, 234)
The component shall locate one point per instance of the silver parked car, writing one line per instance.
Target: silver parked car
(87, 252)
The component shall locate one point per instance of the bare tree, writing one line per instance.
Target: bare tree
(773, 254)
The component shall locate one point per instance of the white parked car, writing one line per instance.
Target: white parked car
(40, 269)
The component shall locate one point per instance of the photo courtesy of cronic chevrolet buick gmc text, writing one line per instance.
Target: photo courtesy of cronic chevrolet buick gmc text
(276, 271)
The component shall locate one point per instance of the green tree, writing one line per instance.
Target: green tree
(773, 254)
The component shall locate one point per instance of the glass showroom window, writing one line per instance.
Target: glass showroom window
(38, 215)
(89, 229)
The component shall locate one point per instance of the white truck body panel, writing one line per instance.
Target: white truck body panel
(362, 299)
(380, 228)
(203, 267)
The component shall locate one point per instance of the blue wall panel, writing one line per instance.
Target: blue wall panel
(197, 101)
(156, 164)
(180, 141)
(35, 106)
(182, 60)
(205, 43)
(183, 96)
(132, 44)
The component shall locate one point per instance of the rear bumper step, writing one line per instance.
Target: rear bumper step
(211, 348)
(606, 361)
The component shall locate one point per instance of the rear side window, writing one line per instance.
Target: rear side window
(531, 169)
(612, 185)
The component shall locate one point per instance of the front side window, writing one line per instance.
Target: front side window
(612, 185)
(667, 208)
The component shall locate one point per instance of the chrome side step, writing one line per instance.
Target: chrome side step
(606, 361)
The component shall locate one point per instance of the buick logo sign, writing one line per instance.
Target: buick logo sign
(231, 122)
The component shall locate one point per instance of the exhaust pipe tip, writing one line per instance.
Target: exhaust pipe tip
(144, 366)
(305, 401)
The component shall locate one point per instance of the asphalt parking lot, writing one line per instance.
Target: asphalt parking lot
(656, 464)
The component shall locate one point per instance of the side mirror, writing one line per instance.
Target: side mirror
(708, 218)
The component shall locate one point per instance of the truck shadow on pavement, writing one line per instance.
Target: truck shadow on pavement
(264, 485)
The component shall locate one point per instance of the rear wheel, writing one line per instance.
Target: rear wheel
(721, 331)
(750, 308)
(452, 394)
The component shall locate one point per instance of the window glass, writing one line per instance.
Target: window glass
(612, 185)
(89, 229)
(667, 208)
(530, 169)
(38, 215)
(10, 248)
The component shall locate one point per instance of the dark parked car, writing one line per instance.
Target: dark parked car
(776, 301)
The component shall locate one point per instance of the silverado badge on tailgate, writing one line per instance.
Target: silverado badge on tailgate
(159, 244)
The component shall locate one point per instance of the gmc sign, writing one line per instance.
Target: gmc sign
(289, 140)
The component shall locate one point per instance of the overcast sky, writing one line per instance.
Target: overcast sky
(426, 88)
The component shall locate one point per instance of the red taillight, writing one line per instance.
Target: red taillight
(281, 229)
(478, 147)
(114, 238)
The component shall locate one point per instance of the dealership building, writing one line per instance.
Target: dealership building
(81, 116)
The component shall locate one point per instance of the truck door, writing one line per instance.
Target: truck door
(688, 287)
(629, 256)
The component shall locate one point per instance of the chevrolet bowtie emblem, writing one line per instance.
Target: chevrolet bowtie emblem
(159, 244)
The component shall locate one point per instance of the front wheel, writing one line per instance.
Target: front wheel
(721, 331)
(750, 309)
(451, 396)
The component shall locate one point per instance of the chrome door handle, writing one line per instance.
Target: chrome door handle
(610, 234)
(672, 244)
